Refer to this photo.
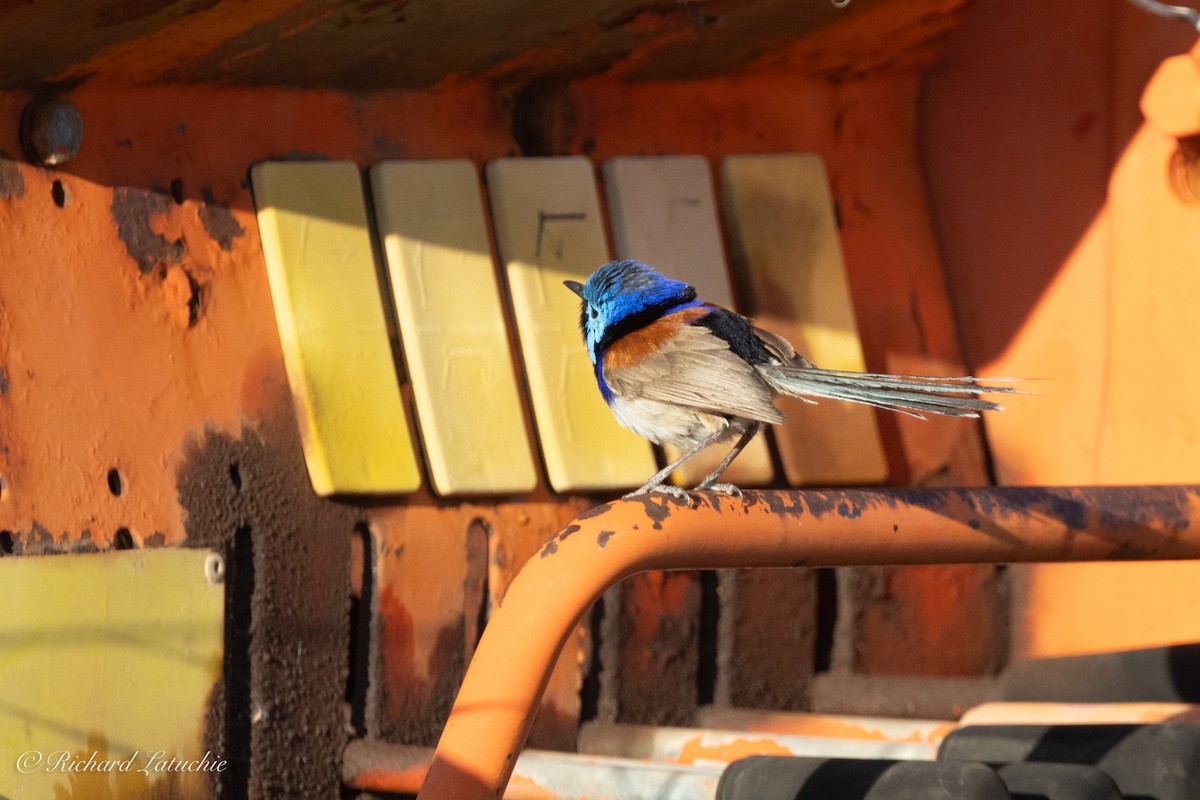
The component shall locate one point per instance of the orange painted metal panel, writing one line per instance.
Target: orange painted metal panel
(1069, 258)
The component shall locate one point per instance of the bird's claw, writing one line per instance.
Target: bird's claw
(725, 488)
(676, 492)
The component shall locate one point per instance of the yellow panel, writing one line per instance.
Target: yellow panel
(430, 214)
(111, 656)
(329, 311)
(548, 229)
(663, 214)
(784, 235)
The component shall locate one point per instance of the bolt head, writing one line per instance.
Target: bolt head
(51, 130)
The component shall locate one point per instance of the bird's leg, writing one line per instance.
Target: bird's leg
(728, 488)
(656, 481)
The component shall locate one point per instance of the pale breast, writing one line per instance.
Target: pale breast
(667, 423)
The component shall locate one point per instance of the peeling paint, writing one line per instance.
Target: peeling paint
(298, 559)
(219, 221)
(12, 182)
(603, 537)
(658, 507)
(595, 511)
(849, 510)
(132, 211)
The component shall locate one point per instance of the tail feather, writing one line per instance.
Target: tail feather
(906, 394)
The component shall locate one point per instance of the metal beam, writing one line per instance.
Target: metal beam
(495, 705)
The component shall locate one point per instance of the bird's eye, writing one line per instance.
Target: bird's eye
(593, 312)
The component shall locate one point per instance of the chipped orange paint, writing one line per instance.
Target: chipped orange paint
(799, 724)
(105, 371)
(105, 366)
(695, 750)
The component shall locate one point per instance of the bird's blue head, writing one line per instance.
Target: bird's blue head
(623, 296)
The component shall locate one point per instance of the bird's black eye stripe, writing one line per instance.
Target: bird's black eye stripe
(593, 312)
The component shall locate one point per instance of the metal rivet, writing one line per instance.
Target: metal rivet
(214, 569)
(51, 130)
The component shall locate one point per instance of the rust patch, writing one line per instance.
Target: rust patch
(658, 507)
(12, 182)
(293, 550)
(416, 709)
(657, 652)
(595, 511)
(132, 211)
(767, 638)
(219, 221)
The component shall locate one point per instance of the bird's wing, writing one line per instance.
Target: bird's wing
(675, 362)
(781, 348)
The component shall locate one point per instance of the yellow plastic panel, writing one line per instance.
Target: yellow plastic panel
(108, 657)
(313, 223)
(663, 214)
(430, 215)
(784, 235)
(548, 229)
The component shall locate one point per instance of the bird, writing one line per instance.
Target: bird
(677, 370)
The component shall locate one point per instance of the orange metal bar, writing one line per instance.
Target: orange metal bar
(495, 705)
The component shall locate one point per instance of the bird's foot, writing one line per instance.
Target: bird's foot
(723, 488)
(676, 492)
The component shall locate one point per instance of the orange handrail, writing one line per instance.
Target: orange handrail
(495, 706)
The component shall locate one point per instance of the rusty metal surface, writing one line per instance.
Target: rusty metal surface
(365, 44)
(650, 649)
(434, 593)
(492, 713)
(767, 631)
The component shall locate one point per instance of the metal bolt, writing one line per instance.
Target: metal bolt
(51, 130)
(214, 569)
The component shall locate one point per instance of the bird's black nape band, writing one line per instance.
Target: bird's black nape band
(737, 333)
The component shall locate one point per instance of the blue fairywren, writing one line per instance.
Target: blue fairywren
(680, 371)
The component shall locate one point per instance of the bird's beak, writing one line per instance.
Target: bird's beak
(574, 286)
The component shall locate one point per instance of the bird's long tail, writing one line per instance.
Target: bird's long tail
(907, 394)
